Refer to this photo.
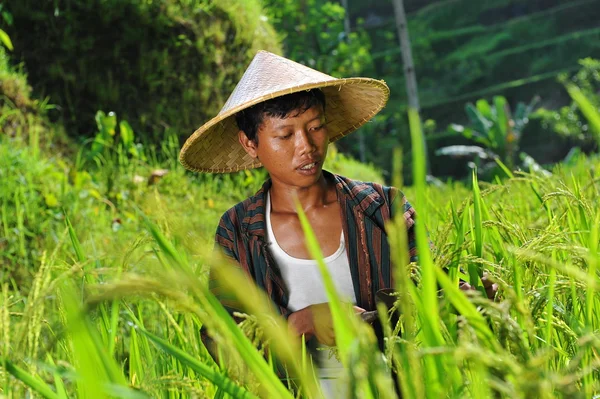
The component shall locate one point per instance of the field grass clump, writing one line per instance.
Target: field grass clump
(534, 234)
(103, 290)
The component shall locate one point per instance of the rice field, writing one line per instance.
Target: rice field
(103, 294)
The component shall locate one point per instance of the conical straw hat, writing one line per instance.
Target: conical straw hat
(214, 147)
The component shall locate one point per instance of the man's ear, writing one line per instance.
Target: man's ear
(249, 145)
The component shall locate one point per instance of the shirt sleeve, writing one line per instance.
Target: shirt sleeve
(399, 203)
(225, 244)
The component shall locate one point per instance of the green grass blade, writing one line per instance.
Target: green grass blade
(590, 294)
(58, 381)
(475, 271)
(550, 306)
(504, 168)
(220, 380)
(345, 329)
(466, 309)
(406, 360)
(136, 367)
(5, 39)
(219, 316)
(435, 370)
(345, 322)
(256, 303)
(97, 369)
(35, 384)
(74, 240)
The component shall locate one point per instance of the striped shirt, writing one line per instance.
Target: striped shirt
(365, 208)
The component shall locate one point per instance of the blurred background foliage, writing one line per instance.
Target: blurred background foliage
(163, 65)
(167, 66)
(465, 50)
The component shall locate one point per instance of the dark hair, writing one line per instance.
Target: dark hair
(250, 119)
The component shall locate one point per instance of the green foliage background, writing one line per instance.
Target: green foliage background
(123, 229)
(166, 66)
(465, 50)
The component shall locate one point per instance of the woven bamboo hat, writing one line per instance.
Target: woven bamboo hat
(214, 147)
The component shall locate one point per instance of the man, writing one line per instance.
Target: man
(283, 115)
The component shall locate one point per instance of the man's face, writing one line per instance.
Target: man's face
(292, 149)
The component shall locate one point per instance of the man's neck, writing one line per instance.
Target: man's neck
(283, 197)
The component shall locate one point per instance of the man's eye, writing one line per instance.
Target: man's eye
(317, 127)
(287, 136)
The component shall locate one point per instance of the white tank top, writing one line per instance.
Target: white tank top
(303, 279)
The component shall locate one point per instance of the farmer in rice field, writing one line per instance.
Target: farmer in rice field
(282, 116)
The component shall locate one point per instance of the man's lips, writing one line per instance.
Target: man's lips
(309, 164)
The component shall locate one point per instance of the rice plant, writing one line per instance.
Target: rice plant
(121, 312)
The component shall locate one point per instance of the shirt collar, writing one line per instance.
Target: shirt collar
(362, 197)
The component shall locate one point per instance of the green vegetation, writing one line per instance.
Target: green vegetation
(568, 120)
(465, 50)
(105, 246)
(496, 129)
(97, 315)
(166, 66)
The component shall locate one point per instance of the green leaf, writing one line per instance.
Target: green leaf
(484, 108)
(453, 127)
(74, 240)
(222, 320)
(50, 200)
(126, 134)
(587, 109)
(345, 330)
(106, 124)
(466, 309)
(99, 372)
(136, 367)
(435, 369)
(58, 381)
(5, 39)
(502, 118)
(504, 168)
(475, 271)
(479, 122)
(220, 380)
(34, 383)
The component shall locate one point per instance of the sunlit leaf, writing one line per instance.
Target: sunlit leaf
(34, 383)
(5, 39)
(126, 133)
(220, 380)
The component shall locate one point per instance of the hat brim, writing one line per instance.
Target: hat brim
(350, 103)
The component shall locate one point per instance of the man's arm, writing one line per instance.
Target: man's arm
(399, 204)
(224, 247)
(315, 320)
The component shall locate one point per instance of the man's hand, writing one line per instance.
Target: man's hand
(315, 320)
(491, 289)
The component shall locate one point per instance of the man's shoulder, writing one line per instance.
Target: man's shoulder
(237, 212)
(244, 212)
(359, 190)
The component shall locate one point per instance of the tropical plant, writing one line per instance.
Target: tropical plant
(571, 120)
(495, 128)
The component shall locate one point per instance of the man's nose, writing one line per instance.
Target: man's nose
(305, 142)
